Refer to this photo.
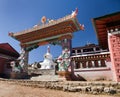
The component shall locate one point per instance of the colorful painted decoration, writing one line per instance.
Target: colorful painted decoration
(64, 60)
(55, 42)
(15, 67)
(30, 48)
(22, 59)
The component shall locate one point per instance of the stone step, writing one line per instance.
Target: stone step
(45, 78)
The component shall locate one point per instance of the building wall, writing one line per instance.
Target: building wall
(96, 73)
(114, 47)
(2, 61)
(7, 69)
(95, 65)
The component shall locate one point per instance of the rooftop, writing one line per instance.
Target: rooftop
(48, 31)
(6, 50)
(104, 23)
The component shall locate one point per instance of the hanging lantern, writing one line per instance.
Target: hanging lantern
(43, 19)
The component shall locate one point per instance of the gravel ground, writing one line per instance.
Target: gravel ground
(13, 90)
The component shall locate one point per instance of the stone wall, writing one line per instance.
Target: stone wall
(93, 87)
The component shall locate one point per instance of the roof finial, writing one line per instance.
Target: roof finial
(74, 13)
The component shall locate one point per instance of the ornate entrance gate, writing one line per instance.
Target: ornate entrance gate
(49, 32)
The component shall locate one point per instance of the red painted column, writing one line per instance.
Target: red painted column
(114, 47)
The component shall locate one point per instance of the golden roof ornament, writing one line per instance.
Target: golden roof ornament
(43, 19)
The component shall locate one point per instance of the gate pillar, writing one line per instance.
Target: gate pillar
(64, 60)
(23, 59)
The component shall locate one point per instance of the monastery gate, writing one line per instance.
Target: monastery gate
(51, 32)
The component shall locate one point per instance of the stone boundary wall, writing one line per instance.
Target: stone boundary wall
(95, 88)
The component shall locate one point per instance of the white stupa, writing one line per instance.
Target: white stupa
(48, 61)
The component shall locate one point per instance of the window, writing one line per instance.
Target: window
(88, 50)
(97, 49)
(114, 40)
(79, 51)
(118, 65)
(114, 54)
(118, 71)
(113, 45)
(73, 51)
(103, 63)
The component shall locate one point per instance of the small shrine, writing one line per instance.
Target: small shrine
(48, 61)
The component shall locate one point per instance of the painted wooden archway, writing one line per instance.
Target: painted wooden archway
(53, 31)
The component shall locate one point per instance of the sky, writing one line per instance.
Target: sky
(18, 15)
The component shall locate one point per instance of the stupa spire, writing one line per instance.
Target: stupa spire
(48, 49)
